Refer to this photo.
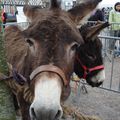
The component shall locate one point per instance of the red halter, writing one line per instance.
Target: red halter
(88, 70)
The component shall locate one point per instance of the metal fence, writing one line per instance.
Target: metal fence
(112, 63)
(43, 3)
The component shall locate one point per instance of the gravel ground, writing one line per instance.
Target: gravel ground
(97, 102)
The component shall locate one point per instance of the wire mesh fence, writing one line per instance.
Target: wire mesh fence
(43, 3)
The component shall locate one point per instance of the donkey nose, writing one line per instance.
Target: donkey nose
(54, 113)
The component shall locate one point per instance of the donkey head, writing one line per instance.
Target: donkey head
(53, 40)
(89, 61)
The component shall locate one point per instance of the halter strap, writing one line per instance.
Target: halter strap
(96, 68)
(49, 68)
(89, 70)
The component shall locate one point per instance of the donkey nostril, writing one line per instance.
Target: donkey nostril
(33, 112)
(58, 115)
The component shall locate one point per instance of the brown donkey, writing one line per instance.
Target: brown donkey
(44, 54)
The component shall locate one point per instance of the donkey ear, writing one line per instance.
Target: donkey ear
(55, 4)
(79, 12)
(13, 30)
(31, 11)
(94, 31)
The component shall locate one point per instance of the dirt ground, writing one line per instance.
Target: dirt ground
(97, 102)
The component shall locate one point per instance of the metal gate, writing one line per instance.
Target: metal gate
(112, 64)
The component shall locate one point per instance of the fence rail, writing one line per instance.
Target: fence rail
(24, 2)
(112, 64)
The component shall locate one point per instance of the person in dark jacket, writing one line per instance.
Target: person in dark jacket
(97, 16)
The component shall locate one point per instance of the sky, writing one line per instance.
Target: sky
(104, 3)
(108, 3)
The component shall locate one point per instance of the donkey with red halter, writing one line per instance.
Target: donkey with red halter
(44, 54)
(89, 61)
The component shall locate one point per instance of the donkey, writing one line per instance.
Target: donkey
(44, 55)
(81, 65)
(89, 62)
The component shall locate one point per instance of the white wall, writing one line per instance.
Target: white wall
(66, 4)
(108, 3)
(21, 17)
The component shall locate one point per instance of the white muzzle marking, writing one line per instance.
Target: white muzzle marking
(47, 95)
(100, 77)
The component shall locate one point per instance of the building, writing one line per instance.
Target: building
(67, 4)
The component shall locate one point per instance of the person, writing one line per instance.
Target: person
(4, 17)
(97, 15)
(114, 19)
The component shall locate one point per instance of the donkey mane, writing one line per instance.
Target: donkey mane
(54, 4)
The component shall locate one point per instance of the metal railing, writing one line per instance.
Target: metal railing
(24, 2)
(112, 64)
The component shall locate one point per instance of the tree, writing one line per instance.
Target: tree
(7, 111)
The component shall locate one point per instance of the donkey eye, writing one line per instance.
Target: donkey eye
(91, 57)
(30, 42)
(74, 46)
